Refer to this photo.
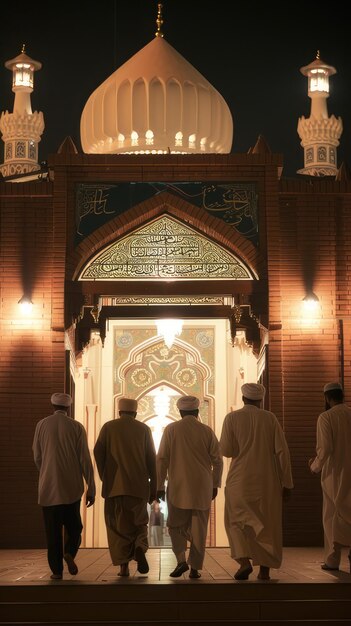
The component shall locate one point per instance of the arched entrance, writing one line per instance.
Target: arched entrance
(163, 264)
(134, 361)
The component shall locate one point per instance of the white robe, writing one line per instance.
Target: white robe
(259, 470)
(333, 460)
(61, 454)
(189, 455)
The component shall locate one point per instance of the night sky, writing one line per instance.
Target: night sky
(251, 57)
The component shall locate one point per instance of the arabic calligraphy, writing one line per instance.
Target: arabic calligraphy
(165, 249)
(92, 200)
(234, 202)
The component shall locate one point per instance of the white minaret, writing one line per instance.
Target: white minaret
(319, 133)
(22, 129)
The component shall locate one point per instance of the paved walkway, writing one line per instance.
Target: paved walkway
(300, 565)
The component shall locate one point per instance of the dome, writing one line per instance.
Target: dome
(156, 103)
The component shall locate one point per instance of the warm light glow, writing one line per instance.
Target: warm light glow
(23, 75)
(319, 81)
(169, 329)
(134, 138)
(179, 139)
(149, 136)
(161, 397)
(310, 302)
(26, 305)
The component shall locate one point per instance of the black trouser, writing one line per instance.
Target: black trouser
(63, 527)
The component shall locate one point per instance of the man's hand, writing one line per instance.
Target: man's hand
(161, 495)
(89, 500)
(214, 493)
(310, 461)
(286, 493)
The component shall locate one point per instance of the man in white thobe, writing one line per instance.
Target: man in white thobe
(189, 456)
(259, 477)
(61, 454)
(126, 460)
(333, 460)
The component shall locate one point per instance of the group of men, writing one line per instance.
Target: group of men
(187, 470)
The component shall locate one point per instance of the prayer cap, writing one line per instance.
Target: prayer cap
(61, 399)
(188, 403)
(332, 386)
(253, 391)
(128, 404)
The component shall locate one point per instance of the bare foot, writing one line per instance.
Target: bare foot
(124, 570)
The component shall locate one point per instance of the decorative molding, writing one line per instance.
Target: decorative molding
(164, 300)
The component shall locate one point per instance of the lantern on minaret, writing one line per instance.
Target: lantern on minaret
(319, 133)
(22, 129)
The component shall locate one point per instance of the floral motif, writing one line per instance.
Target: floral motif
(186, 377)
(125, 340)
(141, 377)
(204, 339)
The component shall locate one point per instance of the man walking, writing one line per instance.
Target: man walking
(190, 457)
(61, 454)
(259, 476)
(126, 461)
(333, 461)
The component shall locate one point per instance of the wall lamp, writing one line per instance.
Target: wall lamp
(26, 304)
(310, 302)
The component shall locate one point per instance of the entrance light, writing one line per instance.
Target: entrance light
(26, 305)
(169, 329)
(310, 302)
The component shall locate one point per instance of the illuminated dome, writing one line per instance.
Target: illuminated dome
(153, 104)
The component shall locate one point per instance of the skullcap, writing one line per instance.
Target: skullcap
(61, 399)
(128, 404)
(253, 391)
(188, 403)
(331, 386)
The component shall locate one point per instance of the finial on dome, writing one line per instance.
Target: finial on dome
(318, 55)
(23, 51)
(159, 20)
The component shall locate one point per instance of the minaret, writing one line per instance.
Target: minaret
(319, 133)
(22, 129)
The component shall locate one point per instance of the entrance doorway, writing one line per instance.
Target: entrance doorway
(135, 361)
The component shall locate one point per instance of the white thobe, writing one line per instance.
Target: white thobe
(259, 470)
(333, 460)
(189, 455)
(61, 454)
(126, 461)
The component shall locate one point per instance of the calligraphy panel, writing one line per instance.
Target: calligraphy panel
(166, 249)
(234, 203)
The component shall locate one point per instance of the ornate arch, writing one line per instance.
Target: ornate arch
(165, 204)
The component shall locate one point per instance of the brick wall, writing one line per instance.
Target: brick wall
(31, 361)
(304, 243)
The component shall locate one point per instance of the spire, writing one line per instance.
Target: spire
(22, 129)
(319, 133)
(159, 20)
(261, 146)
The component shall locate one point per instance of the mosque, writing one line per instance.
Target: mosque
(156, 263)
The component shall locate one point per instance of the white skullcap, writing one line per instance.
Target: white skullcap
(128, 404)
(61, 399)
(331, 386)
(253, 391)
(188, 403)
